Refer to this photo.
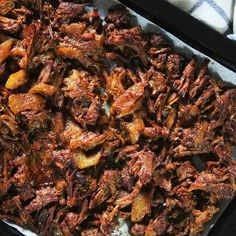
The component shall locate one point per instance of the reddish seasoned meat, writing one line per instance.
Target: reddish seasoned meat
(88, 140)
(182, 85)
(119, 16)
(197, 140)
(131, 39)
(213, 184)
(26, 49)
(201, 217)
(158, 226)
(43, 198)
(35, 120)
(101, 121)
(11, 25)
(93, 112)
(134, 128)
(138, 230)
(87, 51)
(201, 81)
(26, 101)
(158, 41)
(174, 64)
(5, 186)
(92, 232)
(155, 132)
(143, 166)
(5, 50)
(73, 219)
(186, 170)
(159, 62)
(224, 113)
(62, 157)
(130, 101)
(188, 115)
(114, 80)
(68, 11)
(107, 188)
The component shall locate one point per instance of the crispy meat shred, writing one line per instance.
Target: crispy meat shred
(100, 121)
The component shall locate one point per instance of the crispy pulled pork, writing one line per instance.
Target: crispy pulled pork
(83, 143)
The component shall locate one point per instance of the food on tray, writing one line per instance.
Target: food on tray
(100, 120)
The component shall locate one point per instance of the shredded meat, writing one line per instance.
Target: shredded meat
(131, 39)
(43, 198)
(100, 120)
(118, 15)
(130, 101)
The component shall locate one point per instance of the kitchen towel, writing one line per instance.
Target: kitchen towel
(218, 14)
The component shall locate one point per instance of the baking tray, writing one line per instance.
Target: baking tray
(187, 34)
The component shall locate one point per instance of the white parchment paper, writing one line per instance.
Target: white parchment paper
(214, 67)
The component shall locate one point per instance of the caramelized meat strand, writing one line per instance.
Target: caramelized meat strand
(118, 15)
(26, 101)
(130, 101)
(131, 39)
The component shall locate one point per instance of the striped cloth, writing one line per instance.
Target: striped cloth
(218, 14)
